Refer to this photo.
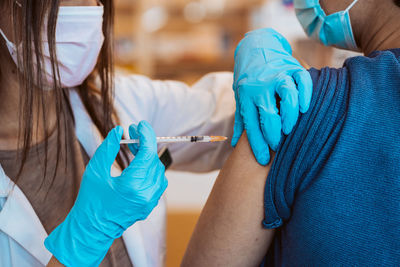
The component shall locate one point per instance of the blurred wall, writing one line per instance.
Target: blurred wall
(180, 39)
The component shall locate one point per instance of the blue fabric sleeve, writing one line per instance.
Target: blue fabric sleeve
(300, 155)
(334, 189)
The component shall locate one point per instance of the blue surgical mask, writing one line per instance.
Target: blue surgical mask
(334, 29)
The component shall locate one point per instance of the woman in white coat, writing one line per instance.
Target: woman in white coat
(43, 128)
(57, 106)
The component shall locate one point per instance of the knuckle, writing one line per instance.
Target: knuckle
(267, 115)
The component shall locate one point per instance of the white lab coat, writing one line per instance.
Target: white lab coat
(172, 108)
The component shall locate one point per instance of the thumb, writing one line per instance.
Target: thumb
(148, 143)
(105, 155)
(133, 134)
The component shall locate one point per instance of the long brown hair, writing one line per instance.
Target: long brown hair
(28, 18)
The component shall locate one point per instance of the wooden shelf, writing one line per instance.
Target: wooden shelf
(179, 48)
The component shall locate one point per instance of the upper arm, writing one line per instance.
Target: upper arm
(230, 231)
(173, 107)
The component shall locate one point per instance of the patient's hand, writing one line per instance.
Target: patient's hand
(229, 231)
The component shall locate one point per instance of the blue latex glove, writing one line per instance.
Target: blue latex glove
(265, 68)
(106, 206)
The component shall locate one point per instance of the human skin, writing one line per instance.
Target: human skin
(229, 230)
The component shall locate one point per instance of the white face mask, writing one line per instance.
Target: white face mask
(79, 38)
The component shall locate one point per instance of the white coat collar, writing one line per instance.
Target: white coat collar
(19, 221)
(87, 133)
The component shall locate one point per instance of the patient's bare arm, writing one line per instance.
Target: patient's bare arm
(229, 231)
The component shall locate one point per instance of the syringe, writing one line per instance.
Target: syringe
(181, 139)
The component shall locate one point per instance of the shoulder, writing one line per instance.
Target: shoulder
(379, 64)
(378, 59)
(374, 71)
(131, 82)
(346, 104)
(328, 77)
(133, 91)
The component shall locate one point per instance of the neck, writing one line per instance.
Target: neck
(382, 30)
(10, 108)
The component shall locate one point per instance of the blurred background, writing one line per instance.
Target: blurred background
(186, 39)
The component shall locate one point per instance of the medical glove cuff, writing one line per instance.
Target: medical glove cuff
(268, 39)
(73, 244)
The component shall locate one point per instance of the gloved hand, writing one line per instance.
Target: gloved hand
(106, 206)
(265, 68)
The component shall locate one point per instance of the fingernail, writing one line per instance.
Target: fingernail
(263, 159)
(274, 147)
(304, 109)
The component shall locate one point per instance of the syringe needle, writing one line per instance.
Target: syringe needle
(181, 139)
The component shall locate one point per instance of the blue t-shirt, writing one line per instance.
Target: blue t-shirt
(333, 190)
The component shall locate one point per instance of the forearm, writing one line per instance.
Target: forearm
(229, 231)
